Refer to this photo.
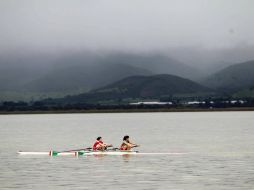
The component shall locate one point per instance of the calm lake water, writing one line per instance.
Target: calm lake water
(219, 149)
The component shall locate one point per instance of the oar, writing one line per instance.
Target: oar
(88, 148)
(115, 149)
(112, 149)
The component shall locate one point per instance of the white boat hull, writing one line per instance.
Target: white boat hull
(87, 153)
(81, 153)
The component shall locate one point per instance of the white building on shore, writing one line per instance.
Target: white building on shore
(151, 103)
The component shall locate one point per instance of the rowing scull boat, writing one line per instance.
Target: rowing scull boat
(78, 153)
(87, 153)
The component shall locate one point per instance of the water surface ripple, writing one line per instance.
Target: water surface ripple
(218, 146)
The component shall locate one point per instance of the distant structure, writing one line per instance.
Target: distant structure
(235, 101)
(151, 103)
(195, 103)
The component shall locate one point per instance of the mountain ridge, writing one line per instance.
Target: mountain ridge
(35, 76)
(140, 87)
(233, 78)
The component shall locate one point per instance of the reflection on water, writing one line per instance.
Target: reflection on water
(219, 146)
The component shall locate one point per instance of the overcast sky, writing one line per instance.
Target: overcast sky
(131, 25)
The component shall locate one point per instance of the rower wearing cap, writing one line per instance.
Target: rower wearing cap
(100, 145)
(127, 144)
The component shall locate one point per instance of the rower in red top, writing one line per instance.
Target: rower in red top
(100, 145)
(127, 144)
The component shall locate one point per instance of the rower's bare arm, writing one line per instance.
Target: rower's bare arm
(133, 144)
(128, 144)
(108, 145)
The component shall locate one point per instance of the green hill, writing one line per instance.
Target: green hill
(140, 87)
(232, 79)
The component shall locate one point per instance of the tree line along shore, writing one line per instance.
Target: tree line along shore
(40, 108)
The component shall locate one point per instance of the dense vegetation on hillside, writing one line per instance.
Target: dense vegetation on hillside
(233, 79)
(140, 87)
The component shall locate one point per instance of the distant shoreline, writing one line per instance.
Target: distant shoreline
(129, 110)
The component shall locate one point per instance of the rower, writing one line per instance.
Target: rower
(127, 144)
(100, 145)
